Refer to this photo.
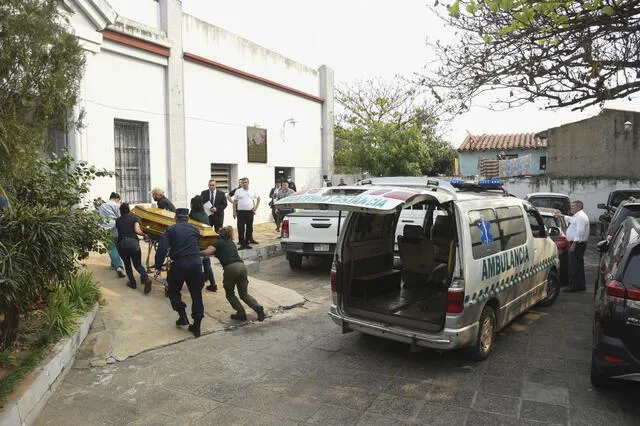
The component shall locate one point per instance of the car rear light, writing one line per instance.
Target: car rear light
(455, 301)
(562, 243)
(610, 358)
(284, 228)
(617, 289)
(334, 279)
(633, 293)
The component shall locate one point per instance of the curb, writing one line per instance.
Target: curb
(46, 378)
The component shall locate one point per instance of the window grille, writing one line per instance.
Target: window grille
(131, 141)
(222, 175)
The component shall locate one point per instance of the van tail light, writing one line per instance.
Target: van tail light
(617, 290)
(334, 281)
(284, 228)
(455, 300)
(562, 243)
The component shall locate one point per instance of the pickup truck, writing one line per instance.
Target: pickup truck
(310, 233)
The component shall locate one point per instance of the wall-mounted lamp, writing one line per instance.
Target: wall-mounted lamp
(628, 126)
(284, 124)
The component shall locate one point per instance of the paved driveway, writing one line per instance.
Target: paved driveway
(296, 368)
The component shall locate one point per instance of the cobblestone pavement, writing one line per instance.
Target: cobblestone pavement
(296, 368)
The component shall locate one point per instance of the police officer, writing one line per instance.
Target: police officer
(181, 240)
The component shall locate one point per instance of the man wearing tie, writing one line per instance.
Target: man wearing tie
(218, 202)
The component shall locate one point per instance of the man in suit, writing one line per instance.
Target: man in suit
(218, 201)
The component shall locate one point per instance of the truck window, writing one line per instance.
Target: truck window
(512, 225)
(485, 233)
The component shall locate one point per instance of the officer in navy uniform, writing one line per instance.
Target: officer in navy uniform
(181, 240)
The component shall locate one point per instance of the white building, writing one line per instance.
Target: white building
(170, 100)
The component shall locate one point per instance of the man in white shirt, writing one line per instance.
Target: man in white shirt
(577, 235)
(245, 204)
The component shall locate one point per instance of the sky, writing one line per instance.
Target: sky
(364, 39)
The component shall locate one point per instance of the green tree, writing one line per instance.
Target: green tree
(387, 129)
(565, 53)
(45, 225)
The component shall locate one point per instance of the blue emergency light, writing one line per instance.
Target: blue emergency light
(491, 182)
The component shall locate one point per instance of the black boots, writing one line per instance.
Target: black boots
(260, 312)
(195, 327)
(184, 319)
(239, 317)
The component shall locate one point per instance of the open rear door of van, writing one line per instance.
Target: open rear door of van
(369, 199)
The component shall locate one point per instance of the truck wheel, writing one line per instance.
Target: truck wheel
(486, 335)
(295, 261)
(553, 289)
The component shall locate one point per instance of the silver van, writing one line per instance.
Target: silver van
(476, 261)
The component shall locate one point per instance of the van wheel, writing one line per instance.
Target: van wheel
(553, 289)
(295, 261)
(486, 335)
(599, 380)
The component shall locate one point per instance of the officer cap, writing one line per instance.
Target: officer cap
(182, 212)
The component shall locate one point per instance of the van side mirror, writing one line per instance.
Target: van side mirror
(602, 206)
(603, 246)
(553, 231)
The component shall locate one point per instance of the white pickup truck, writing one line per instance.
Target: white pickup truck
(309, 233)
(315, 232)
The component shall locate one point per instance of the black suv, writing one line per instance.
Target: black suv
(613, 201)
(616, 328)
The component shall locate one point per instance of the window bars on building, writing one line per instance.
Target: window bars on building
(131, 141)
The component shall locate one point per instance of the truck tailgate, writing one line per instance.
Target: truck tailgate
(313, 226)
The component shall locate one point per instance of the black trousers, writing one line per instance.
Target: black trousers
(216, 220)
(576, 266)
(245, 226)
(191, 273)
(129, 251)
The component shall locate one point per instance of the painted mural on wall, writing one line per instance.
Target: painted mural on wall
(256, 145)
(516, 166)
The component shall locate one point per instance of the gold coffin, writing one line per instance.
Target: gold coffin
(155, 221)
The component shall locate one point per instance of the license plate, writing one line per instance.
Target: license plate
(321, 247)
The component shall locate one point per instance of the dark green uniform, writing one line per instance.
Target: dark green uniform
(235, 274)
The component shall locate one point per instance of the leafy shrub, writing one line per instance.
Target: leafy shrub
(83, 292)
(44, 236)
(62, 314)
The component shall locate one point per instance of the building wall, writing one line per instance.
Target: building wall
(469, 160)
(597, 147)
(218, 109)
(589, 191)
(146, 12)
(120, 87)
(225, 84)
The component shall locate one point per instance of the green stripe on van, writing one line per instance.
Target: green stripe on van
(501, 285)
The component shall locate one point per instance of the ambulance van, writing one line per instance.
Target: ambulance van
(477, 260)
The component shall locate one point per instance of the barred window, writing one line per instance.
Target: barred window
(131, 141)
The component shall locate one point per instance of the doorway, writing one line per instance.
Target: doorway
(284, 173)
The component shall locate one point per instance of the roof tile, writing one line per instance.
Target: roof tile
(503, 142)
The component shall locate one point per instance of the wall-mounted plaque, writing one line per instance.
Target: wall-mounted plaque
(256, 145)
